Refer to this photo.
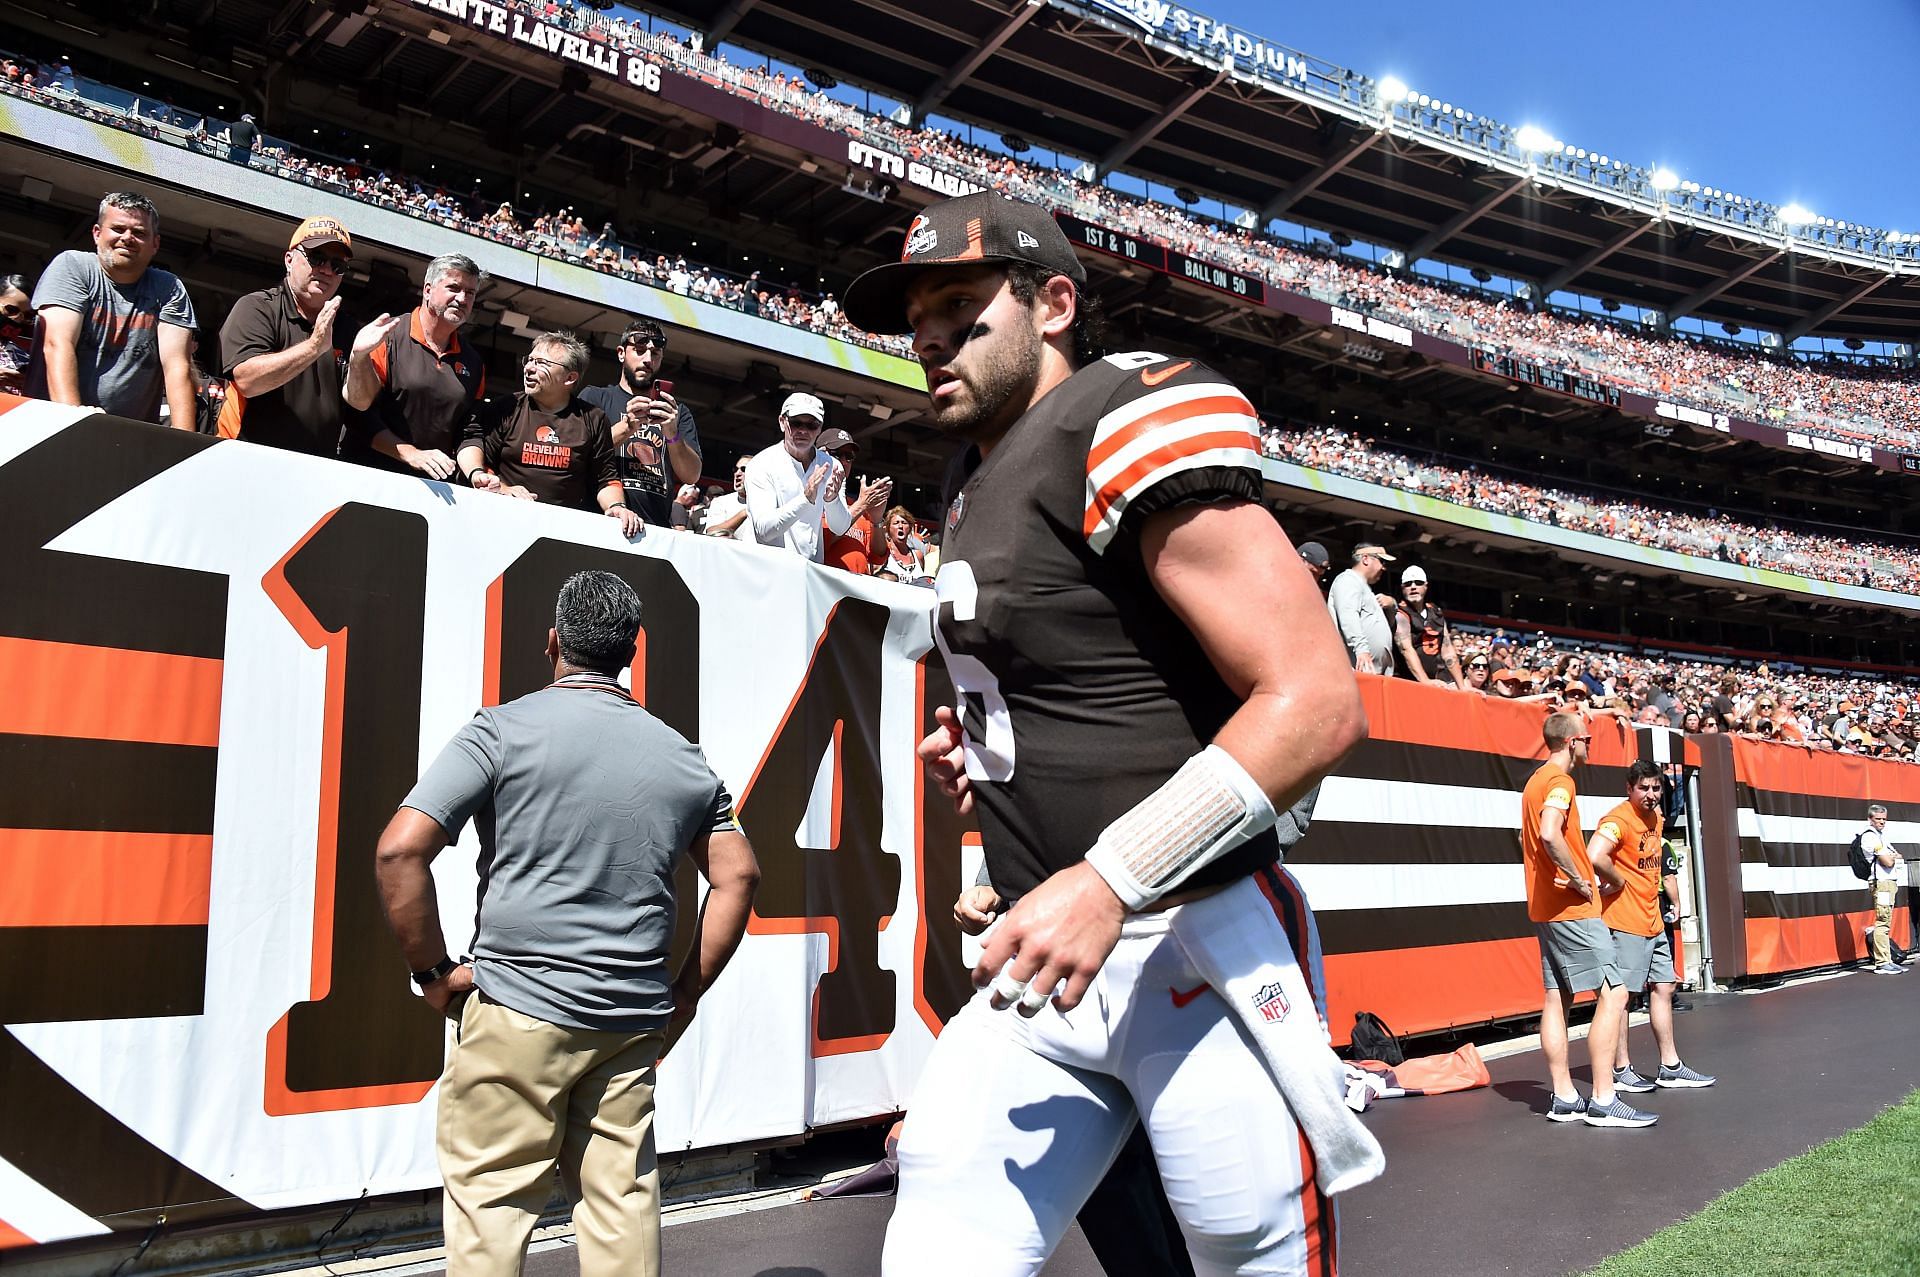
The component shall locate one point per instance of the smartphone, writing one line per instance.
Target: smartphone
(664, 387)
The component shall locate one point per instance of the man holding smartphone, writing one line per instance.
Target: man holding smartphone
(654, 436)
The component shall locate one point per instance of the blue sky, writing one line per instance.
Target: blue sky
(1777, 101)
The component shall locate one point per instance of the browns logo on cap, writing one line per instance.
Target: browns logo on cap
(983, 227)
(316, 231)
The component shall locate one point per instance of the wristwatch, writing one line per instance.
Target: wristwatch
(435, 973)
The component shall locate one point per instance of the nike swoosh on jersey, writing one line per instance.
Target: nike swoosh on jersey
(1181, 999)
(1158, 435)
(1154, 376)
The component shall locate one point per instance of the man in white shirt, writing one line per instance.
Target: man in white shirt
(793, 485)
(1883, 862)
(727, 514)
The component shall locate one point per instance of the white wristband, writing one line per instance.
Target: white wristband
(1205, 810)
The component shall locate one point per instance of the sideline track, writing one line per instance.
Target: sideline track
(1477, 1183)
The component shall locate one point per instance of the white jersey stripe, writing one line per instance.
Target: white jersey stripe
(1235, 458)
(1103, 475)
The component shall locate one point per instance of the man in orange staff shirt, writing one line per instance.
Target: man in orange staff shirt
(1627, 853)
(1576, 948)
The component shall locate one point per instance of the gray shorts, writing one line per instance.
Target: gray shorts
(1576, 956)
(1643, 960)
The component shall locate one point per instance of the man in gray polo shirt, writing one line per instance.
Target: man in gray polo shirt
(584, 803)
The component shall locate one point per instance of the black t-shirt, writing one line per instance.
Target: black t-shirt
(1428, 626)
(307, 414)
(644, 465)
(1080, 690)
(563, 458)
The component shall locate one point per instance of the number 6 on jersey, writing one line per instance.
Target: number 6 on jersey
(987, 728)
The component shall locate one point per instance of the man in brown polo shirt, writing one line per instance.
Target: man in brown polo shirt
(546, 443)
(280, 352)
(417, 386)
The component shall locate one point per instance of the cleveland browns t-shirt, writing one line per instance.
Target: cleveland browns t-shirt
(563, 458)
(1639, 854)
(1080, 691)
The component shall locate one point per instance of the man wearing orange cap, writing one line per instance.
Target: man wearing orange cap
(280, 353)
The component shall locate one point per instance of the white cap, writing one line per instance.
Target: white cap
(1413, 575)
(802, 404)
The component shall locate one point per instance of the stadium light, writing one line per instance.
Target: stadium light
(1795, 215)
(1533, 138)
(1393, 90)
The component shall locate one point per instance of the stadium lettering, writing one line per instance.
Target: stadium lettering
(879, 161)
(476, 13)
(1343, 318)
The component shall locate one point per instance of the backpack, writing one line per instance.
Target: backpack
(1373, 1040)
(1858, 860)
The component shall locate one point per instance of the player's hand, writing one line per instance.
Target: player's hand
(441, 993)
(1582, 886)
(976, 908)
(372, 335)
(431, 462)
(943, 753)
(1059, 934)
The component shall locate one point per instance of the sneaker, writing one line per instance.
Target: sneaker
(1679, 1075)
(1567, 1110)
(1627, 1080)
(1618, 1113)
(1887, 968)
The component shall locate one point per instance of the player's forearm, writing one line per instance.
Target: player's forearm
(1561, 854)
(1289, 738)
(407, 896)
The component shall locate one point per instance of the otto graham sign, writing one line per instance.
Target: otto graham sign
(628, 68)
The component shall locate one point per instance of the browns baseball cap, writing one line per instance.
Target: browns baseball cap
(969, 229)
(834, 440)
(316, 231)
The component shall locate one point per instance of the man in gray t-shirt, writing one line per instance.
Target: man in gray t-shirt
(1357, 614)
(585, 804)
(113, 332)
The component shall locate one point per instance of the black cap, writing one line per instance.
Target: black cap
(1313, 552)
(982, 227)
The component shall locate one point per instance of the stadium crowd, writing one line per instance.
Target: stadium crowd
(1821, 556)
(1842, 399)
(1408, 635)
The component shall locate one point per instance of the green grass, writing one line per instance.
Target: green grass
(1851, 1206)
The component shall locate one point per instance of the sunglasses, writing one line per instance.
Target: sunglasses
(335, 263)
(1476, 665)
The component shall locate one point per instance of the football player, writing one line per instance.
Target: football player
(1147, 681)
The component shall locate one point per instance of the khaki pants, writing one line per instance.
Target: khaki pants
(520, 1096)
(1884, 890)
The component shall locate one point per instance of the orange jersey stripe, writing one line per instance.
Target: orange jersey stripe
(86, 878)
(108, 693)
(1117, 487)
(1210, 404)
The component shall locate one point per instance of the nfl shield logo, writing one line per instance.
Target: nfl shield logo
(1271, 1003)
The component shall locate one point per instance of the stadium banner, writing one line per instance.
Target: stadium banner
(261, 191)
(222, 667)
(1795, 810)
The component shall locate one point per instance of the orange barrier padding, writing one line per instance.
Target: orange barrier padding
(1420, 990)
(1799, 944)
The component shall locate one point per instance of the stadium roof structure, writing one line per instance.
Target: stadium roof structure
(1164, 93)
